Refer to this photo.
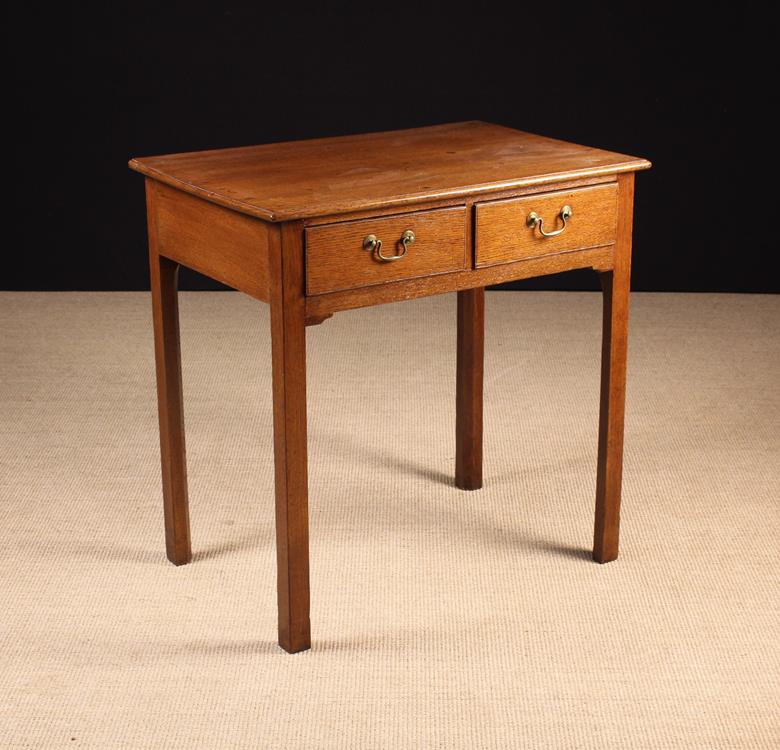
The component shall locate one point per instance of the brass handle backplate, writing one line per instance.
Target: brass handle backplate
(535, 220)
(374, 245)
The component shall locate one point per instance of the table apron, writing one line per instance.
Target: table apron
(597, 258)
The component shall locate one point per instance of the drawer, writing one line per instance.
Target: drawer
(340, 256)
(505, 233)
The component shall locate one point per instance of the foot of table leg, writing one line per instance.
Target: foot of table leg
(468, 414)
(615, 285)
(288, 343)
(165, 310)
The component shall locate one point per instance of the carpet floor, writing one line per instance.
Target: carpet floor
(440, 618)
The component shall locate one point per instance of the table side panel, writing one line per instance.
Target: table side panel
(225, 245)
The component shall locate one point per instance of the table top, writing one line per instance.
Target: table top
(330, 176)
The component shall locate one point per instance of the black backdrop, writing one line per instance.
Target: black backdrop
(96, 86)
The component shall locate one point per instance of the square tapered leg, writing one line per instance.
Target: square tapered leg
(288, 344)
(615, 285)
(470, 365)
(167, 350)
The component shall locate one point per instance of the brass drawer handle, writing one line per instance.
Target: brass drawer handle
(374, 245)
(534, 220)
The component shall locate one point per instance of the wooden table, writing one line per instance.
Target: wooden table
(315, 227)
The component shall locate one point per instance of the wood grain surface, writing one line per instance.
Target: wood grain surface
(301, 179)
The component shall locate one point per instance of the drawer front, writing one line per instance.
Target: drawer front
(504, 232)
(338, 256)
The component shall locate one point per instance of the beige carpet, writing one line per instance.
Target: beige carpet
(441, 619)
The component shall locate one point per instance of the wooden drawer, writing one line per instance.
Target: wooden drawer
(504, 235)
(336, 258)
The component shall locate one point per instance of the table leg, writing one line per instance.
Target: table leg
(468, 407)
(165, 312)
(615, 285)
(288, 344)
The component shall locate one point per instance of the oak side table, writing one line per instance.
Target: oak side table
(315, 227)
